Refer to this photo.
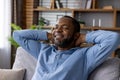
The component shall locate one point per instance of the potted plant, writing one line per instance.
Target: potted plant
(82, 24)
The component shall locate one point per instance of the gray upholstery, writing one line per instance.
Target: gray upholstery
(25, 60)
(109, 70)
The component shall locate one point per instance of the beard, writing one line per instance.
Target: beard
(64, 43)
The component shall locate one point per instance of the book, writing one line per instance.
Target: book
(83, 4)
(76, 4)
(89, 3)
(57, 2)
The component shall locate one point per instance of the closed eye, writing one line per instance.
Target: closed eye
(65, 27)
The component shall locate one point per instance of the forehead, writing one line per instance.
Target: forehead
(64, 20)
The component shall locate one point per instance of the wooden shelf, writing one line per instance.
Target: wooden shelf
(48, 9)
(88, 28)
(110, 18)
(99, 28)
(78, 10)
(94, 10)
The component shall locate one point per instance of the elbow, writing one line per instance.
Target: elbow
(116, 39)
(15, 35)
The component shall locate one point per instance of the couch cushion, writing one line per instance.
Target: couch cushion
(25, 60)
(10, 74)
(109, 70)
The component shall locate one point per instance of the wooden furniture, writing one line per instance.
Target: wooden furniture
(102, 15)
(109, 17)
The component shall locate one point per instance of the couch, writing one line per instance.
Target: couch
(108, 70)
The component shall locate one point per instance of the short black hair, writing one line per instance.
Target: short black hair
(75, 23)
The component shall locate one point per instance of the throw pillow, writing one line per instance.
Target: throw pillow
(12, 74)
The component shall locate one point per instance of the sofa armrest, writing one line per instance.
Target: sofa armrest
(108, 70)
(24, 60)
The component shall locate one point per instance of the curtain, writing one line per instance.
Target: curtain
(5, 32)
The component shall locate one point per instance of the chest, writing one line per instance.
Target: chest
(52, 60)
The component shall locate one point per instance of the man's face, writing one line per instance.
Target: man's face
(63, 32)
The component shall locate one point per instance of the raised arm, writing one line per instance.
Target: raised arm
(105, 43)
(30, 40)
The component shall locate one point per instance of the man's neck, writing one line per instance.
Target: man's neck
(67, 47)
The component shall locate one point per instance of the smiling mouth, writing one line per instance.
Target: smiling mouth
(58, 36)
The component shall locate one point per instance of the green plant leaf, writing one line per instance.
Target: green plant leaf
(33, 27)
(13, 42)
(41, 21)
(15, 27)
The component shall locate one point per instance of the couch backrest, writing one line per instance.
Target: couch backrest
(108, 70)
(25, 60)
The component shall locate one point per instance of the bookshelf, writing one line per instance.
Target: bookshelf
(37, 8)
(103, 14)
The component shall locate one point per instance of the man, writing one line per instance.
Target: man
(65, 59)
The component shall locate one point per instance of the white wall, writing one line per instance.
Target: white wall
(5, 30)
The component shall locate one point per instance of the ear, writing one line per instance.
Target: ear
(76, 35)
